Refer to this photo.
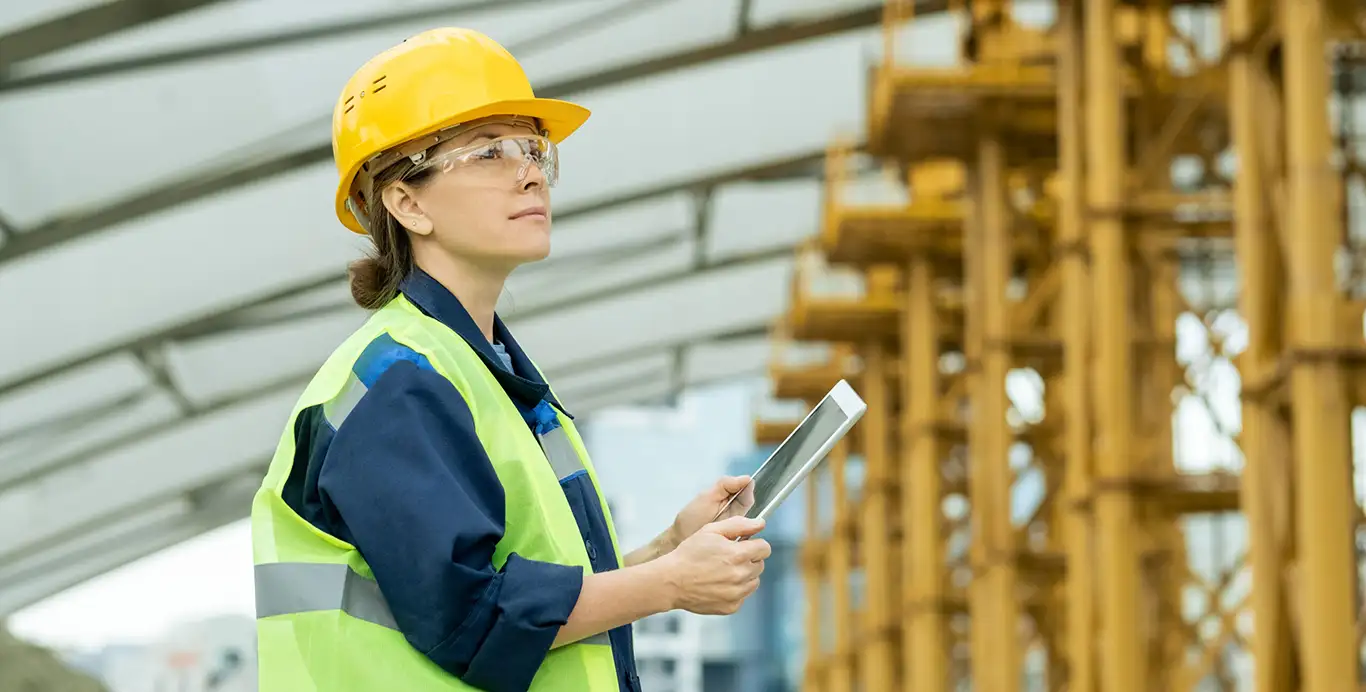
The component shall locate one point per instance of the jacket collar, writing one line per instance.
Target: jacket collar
(524, 383)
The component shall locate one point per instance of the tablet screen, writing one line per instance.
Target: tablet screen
(787, 461)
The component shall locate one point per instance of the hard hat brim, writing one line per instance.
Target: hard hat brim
(558, 118)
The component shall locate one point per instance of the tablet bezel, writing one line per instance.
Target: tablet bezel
(850, 404)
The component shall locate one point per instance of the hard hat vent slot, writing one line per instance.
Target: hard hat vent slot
(379, 88)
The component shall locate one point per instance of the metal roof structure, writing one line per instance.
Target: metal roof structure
(171, 272)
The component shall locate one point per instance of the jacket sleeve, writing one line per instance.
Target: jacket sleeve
(412, 488)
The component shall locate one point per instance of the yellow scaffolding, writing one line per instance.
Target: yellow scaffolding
(1040, 250)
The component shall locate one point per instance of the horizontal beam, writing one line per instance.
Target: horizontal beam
(218, 49)
(95, 22)
(69, 228)
(800, 165)
(118, 484)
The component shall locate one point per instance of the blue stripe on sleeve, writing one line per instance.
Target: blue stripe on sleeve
(381, 354)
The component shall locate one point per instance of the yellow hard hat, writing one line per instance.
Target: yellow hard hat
(433, 81)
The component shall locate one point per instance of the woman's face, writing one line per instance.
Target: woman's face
(480, 197)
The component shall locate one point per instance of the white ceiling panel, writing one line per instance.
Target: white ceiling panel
(535, 293)
(46, 558)
(652, 132)
(246, 99)
(186, 458)
(754, 217)
(97, 383)
(724, 360)
(72, 443)
(171, 267)
(287, 216)
(625, 293)
(645, 391)
(588, 235)
(246, 359)
(165, 121)
(238, 373)
(716, 302)
(142, 539)
(588, 384)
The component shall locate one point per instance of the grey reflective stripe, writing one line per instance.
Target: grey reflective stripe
(341, 405)
(564, 459)
(286, 588)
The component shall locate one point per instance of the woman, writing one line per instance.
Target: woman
(430, 520)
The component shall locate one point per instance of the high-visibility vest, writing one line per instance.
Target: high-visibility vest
(322, 623)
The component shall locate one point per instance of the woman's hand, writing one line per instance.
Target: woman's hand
(711, 573)
(702, 509)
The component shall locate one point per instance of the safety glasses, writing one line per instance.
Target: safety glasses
(498, 157)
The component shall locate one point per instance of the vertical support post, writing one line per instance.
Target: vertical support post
(926, 654)
(991, 485)
(879, 666)
(1076, 485)
(1122, 654)
(1166, 542)
(1257, 253)
(813, 568)
(1324, 506)
(840, 672)
(984, 661)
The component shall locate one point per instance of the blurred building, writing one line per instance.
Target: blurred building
(212, 655)
(653, 461)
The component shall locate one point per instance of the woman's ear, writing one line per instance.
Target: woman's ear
(402, 204)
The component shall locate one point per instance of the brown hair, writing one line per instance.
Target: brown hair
(376, 277)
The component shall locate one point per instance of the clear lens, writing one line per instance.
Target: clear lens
(512, 155)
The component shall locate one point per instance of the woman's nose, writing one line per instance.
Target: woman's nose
(533, 177)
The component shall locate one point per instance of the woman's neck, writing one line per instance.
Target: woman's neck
(476, 288)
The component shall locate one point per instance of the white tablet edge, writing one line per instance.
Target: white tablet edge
(853, 407)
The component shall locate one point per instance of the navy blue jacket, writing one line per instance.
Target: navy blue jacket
(405, 479)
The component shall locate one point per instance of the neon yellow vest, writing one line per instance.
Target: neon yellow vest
(322, 624)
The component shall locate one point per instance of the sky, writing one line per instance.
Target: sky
(208, 575)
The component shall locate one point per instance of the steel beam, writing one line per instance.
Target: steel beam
(216, 49)
(70, 227)
(1123, 666)
(1078, 527)
(1260, 264)
(879, 669)
(840, 676)
(97, 21)
(227, 318)
(995, 598)
(1324, 505)
(925, 655)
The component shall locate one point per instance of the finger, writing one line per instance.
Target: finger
(751, 586)
(746, 498)
(756, 549)
(752, 570)
(729, 485)
(735, 527)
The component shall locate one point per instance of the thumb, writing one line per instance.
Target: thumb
(736, 527)
(732, 484)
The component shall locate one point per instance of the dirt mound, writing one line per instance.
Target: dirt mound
(28, 668)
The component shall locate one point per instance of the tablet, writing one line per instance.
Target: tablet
(801, 452)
